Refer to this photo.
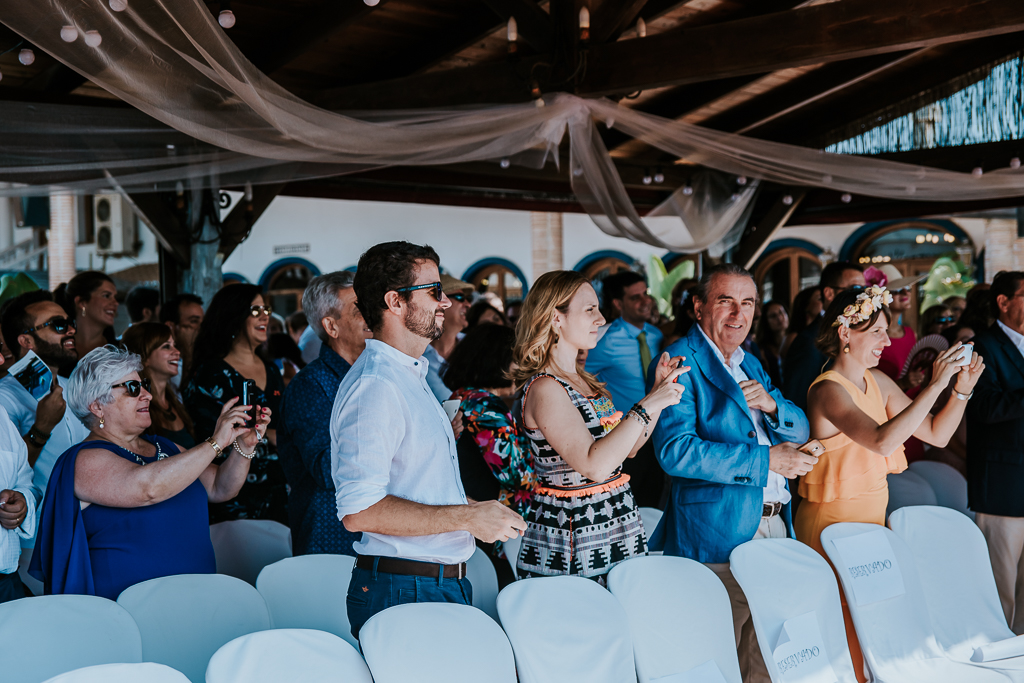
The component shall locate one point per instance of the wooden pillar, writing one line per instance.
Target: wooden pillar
(204, 278)
(546, 242)
(61, 238)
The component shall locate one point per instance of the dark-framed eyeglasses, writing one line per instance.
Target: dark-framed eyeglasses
(59, 325)
(434, 287)
(133, 387)
(257, 311)
(458, 296)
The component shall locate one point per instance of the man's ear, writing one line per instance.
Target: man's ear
(330, 327)
(26, 341)
(395, 302)
(697, 306)
(617, 306)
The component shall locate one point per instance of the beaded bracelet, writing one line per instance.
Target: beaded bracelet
(639, 410)
(247, 456)
(639, 418)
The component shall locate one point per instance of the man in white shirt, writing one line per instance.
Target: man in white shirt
(393, 457)
(18, 500)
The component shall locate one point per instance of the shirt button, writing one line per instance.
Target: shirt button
(751, 434)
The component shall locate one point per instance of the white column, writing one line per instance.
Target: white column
(546, 242)
(61, 239)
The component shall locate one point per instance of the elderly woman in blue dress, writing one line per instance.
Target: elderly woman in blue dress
(123, 506)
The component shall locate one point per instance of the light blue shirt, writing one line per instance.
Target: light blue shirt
(16, 475)
(309, 345)
(437, 364)
(616, 360)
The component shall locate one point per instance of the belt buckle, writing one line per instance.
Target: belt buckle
(462, 570)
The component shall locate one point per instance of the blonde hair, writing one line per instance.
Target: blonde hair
(535, 334)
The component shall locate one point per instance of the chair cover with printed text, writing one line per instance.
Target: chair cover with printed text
(292, 654)
(436, 642)
(144, 672)
(567, 629)
(184, 619)
(484, 579)
(895, 633)
(309, 591)
(784, 579)
(53, 634)
(680, 617)
(243, 547)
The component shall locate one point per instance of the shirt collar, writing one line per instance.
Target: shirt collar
(333, 360)
(737, 356)
(631, 329)
(416, 364)
(1016, 337)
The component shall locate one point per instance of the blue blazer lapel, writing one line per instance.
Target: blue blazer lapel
(714, 371)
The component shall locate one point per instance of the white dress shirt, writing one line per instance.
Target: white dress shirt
(15, 474)
(1016, 337)
(390, 436)
(775, 491)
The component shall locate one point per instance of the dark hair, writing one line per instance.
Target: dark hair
(385, 268)
(81, 287)
(478, 309)
(225, 320)
(832, 274)
(763, 334)
(1006, 283)
(828, 335)
(798, 320)
(281, 345)
(143, 339)
(981, 311)
(481, 359)
(170, 311)
(614, 285)
(684, 312)
(139, 299)
(704, 286)
(14, 319)
(296, 321)
(928, 318)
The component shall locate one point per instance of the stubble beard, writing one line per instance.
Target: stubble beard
(423, 323)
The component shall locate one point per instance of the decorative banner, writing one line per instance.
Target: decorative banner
(871, 567)
(708, 672)
(800, 654)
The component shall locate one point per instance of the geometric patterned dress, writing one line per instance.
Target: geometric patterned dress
(574, 525)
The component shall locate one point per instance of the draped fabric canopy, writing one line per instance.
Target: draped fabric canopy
(171, 60)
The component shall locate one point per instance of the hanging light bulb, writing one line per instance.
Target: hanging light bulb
(787, 200)
(26, 56)
(69, 34)
(248, 191)
(735, 196)
(119, 5)
(505, 163)
(226, 18)
(1, 76)
(93, 38)
(846, 198)
(513, 31)
(584, 24)
(646, 180)
(977, 171)
(1015, 162)
(741, 180)
(659, 177)
(641, 28)
(687, 189)
(371, 3)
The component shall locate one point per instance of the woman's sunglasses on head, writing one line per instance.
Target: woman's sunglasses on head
(133, 387)
(59, 325)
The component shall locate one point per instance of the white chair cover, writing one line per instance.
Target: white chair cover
(243, 547)
(53, 634)
(436, 642)
(288, 655)
(956, 577)
(949, 486)
(679, 616)
(896, 634)
(184, 619)
(566, 629)
(309, 591)
(650, 517)
(145, 672)
(908, 488)
(484, 579)
(512, 547)
(784, 579)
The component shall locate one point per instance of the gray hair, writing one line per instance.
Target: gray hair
(92, 378)
(320, 299)
(704, 286)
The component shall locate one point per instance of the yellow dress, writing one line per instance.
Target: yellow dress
(847, 485)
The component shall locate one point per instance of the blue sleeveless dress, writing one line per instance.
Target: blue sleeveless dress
(103, 550)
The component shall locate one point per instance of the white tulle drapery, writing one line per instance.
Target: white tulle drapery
(171, 60)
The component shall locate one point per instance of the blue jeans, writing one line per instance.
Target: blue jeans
(371, 591)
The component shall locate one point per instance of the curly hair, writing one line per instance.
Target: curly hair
(385, 268)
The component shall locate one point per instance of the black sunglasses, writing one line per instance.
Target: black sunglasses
(257, 311)
(133, 387)
(945, 319)
(434, 287)
(59, 325)
(458, 296)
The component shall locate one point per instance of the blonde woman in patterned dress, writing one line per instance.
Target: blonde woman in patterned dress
(582, 520)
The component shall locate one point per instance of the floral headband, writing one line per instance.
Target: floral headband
(870, 300)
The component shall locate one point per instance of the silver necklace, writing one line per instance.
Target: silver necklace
(160, 455)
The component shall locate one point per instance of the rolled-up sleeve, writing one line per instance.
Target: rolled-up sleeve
(367, 426)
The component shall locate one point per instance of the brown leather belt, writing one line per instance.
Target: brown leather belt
(394, 565)
(771, 509)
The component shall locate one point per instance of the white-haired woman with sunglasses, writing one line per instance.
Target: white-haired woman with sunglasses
(124, 507)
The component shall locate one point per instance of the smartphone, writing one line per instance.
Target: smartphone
(966, 354)
(248, 392)
(451, 406)
(813, 447)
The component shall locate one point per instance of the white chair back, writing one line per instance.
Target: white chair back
(567, 629)
(243, 547)
(949, 486)
(679, 614)
(436, 642)
(184, 619)
(512, 547)
(309, 591)
(908, 488)
(484, 578)
(287, 655)
(895, 633)
(650, 518)
(145, 672)
(31, 582)
(53, 634)
(784, 580)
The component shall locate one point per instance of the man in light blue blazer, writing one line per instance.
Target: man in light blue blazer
(729, 446)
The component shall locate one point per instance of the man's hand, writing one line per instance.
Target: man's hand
(786, 460)
(50, 409)
(491, 521)
(757, 398)
(12, 509)
(457, 425)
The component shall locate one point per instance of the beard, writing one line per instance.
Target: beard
(55, 355)
(422, 322)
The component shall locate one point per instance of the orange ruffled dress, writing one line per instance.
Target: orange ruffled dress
(847, 485)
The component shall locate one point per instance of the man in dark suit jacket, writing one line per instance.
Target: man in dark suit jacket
(995, 444)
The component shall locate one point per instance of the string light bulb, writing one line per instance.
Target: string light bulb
(641, 28)
(846, 198)
(741, 180)
(1015, 163)
(584, 23)
(371, 3)
(93, 38)
(69, 34)
(687, 189)
(787, 200)
(26, 56)
(977, 171)
(646, 180)
(513, 35)
(505, 163)
(226, 18)
(119, 5)
(659, 177)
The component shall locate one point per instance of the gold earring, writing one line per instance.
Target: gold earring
(846, 349)
(101, 423)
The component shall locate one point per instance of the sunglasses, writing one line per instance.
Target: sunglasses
(946, 319)
(133, 387)
(257, 311)
(457, 296)
(59, 325)
(434, 287)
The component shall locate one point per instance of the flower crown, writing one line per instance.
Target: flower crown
(870, 300)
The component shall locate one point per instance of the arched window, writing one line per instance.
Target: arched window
(783, 272)
(600, 264)
(284, 282)
(497, 275)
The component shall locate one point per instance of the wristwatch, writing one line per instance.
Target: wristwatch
(37, 437)
(962, 397)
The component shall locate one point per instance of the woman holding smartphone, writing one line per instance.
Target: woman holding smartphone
(862, 418)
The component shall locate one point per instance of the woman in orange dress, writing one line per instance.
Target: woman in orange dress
(862, 418)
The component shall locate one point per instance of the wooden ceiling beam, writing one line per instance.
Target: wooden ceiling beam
(534, 24)
(612, 18)
(237, 225)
